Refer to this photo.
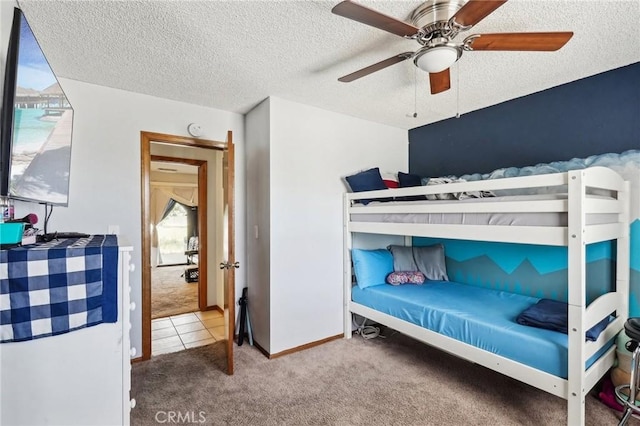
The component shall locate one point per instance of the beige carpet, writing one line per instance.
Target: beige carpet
(170, 293)
(393, 381)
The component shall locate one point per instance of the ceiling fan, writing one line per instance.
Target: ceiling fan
(434, 25)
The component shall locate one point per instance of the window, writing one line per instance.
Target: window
(172, 236)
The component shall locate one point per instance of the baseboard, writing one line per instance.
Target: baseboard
(297, 348)
(215, 308)
(260, 348)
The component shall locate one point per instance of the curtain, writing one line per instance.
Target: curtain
(162, 200)
(160, 196)
(167, 209)
(192, 216)
(192, 221)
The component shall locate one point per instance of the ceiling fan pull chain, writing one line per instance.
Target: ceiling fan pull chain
(458, 90)
(415, 92)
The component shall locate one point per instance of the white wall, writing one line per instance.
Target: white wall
(258, 264)
(310, 151)
(105, 166)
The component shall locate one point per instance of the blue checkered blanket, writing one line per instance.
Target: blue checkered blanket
(56, 287)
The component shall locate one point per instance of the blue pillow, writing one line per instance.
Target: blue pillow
(369, 180)
(408, 180)
(371, 266)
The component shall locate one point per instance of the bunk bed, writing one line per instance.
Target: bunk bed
(582, 207)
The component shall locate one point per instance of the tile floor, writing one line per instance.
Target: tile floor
(178, 332)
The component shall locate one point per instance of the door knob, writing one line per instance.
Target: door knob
(227, 265)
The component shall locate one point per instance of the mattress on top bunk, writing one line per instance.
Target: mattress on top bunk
(493, 218)
(481, 317)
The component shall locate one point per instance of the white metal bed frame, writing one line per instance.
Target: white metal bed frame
(575, 237)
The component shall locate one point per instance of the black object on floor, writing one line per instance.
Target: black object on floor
(243, 316)
(191, 274)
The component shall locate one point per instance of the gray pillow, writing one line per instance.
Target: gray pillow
(403, 259)
(430, 261)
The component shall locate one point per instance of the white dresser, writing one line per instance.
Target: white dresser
(79, 378)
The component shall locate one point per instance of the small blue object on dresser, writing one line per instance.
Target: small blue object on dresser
(11, 233)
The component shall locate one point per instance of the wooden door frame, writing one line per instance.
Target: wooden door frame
(146, 138)
(230, 283)
(202, 222)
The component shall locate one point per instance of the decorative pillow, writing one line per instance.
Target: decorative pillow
(404, 277)
(430, 261)
(408, 180)
(371, 266)
(390, 179)
(390, 183)
(403, 258)
(368, 180)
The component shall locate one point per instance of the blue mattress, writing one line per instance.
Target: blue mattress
(481, 317)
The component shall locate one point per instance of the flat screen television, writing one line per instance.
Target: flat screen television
(37, 122)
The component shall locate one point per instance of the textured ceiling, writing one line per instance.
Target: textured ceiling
(233, 54)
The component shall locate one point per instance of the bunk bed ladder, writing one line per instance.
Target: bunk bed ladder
(623, 251)
(576, 260)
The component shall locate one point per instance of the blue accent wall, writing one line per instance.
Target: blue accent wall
(536, 270)
(588, 117)
(595, 115)
(531, 270)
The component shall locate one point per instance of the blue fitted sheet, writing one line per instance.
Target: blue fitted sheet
(481, 317)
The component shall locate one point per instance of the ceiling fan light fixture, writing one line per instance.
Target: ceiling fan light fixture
(436, 59)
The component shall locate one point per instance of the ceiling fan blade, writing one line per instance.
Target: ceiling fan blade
(376, 19)
(475, 11)
(375, 67)
(520, 41)
(440, 81)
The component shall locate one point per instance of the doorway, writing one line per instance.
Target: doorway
(216, 288)
(176, 210)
